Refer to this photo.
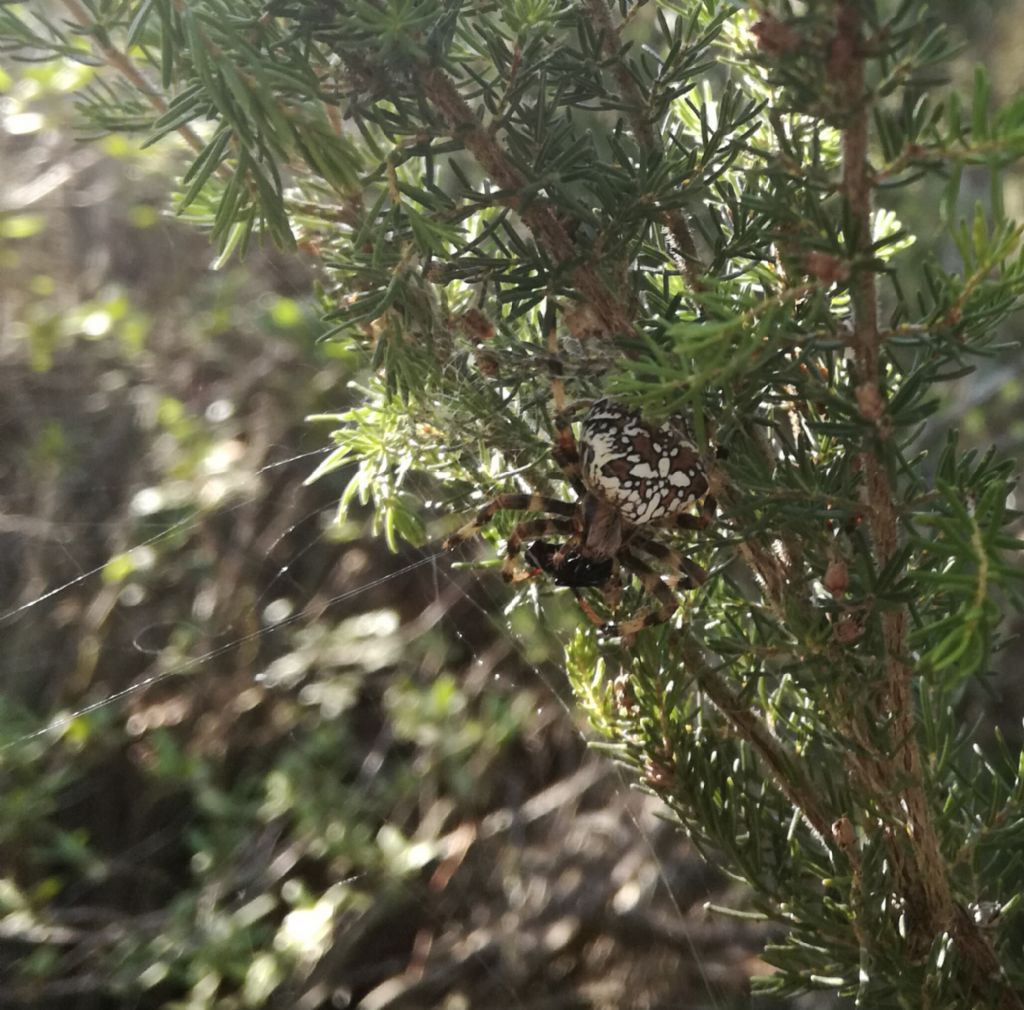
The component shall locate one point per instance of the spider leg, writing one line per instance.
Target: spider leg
(528, 530)
(611, 590)
(693, 575)
(688, 521)
(565, 452)
(591, 614)
(541, 528)
(657, 588)
(511, 503)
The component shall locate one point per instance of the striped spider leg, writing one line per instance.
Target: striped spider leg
(562, 526)
(689, 575)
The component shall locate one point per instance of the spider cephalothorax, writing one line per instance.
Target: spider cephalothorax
(631, 477)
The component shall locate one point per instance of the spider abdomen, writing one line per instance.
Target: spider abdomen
(647, 473)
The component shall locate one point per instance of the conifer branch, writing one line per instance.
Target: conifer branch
(640, 123)
(847, 68)
(925, 883)
(117, 60)
(538, 214)
(783, 765)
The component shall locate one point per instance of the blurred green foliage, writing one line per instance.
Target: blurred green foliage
(205, 815)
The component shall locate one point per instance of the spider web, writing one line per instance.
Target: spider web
(172, 674)
(472, 591)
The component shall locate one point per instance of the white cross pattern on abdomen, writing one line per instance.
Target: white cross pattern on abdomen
(647, 473)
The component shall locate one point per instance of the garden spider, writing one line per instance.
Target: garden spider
(631, 478)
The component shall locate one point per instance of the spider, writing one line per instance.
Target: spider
(631, 478)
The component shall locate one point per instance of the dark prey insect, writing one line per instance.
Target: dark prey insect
(631, 478)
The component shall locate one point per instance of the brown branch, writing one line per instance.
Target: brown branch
(847, 66)
(347, 214)
(640, 123)
(123, 65)
(923, 156)
(783, 765)
(611, 43)
(895, 778)
(538, 214)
